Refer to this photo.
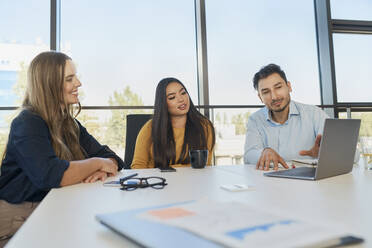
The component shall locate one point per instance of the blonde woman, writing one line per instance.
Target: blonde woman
(47, 147)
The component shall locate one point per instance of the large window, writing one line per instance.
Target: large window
(244, 35)
(353, 63)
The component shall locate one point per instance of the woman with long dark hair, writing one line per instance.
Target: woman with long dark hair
(176, 127)
(47, 147)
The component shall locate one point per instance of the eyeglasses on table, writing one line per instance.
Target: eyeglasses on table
(142, 182)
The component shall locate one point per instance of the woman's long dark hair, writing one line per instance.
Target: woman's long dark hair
(196, 130)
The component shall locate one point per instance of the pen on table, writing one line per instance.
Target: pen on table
(127, 177)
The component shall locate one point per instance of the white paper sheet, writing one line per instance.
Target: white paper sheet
(236, 224)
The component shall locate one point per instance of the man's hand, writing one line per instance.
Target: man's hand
(269, 155)
(314, 151)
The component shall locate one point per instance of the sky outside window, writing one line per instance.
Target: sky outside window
(23, 35)
(130, 43)
(353, 63)
(351, 9)
(244, 35)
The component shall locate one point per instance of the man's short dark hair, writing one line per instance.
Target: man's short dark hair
(266, 71)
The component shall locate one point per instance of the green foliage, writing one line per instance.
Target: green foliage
(218, 118)
(3, 141)
(116, 126)
(91, 123)
(225, 119)
(366, 125)
(240, 121)
(19, 88)
(90, 120)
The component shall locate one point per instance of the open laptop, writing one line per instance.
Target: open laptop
(336, 152)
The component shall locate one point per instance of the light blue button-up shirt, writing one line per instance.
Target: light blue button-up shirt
(298, 133)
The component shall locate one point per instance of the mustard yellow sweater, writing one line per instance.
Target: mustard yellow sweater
(143, 154)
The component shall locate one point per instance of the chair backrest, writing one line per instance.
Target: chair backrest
(134, 124)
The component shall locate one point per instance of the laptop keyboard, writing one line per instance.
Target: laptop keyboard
(302, 172)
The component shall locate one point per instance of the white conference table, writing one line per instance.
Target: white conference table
(66, 217)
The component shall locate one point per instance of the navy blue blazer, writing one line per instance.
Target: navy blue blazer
(31, 168)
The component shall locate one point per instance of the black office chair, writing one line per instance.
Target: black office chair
(134, 124)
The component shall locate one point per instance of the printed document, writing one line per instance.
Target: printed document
(237, 224)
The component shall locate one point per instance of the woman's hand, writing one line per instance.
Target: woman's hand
(96, 176)
(89, 170)
(109, 166)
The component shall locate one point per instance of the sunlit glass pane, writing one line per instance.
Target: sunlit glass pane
(245, 35)
(126, 44)
(352, 10)
(23, 35)
(353, 63)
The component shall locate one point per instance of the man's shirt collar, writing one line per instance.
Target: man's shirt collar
(293, 110)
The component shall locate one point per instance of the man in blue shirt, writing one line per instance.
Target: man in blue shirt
(283, 129)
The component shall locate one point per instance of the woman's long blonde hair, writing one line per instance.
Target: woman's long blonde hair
(44, 96)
